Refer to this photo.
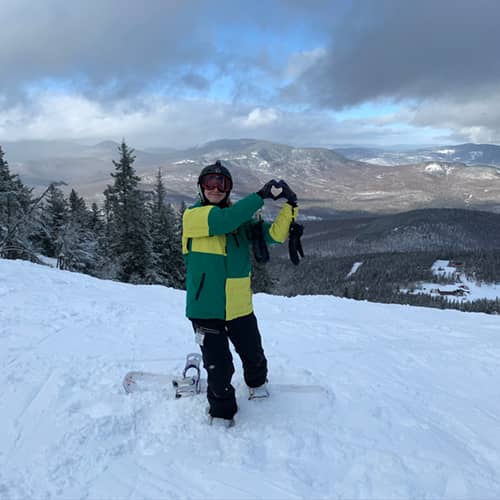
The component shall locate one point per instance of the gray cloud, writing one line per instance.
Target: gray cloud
(117, 68)
(406, 50)
(195, 81)
(97, 42)
(117, 47)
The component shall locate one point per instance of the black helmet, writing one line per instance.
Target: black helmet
(216, 168)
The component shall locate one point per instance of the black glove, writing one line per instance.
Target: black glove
(259, 246)
(287, 193)
(294, 244)
(265, 191)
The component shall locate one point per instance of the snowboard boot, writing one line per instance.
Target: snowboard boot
(260, 392)
(224, 423)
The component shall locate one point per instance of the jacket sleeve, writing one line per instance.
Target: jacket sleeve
(277, 232)
(210, 220)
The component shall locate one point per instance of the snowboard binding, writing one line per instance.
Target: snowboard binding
(190, 382)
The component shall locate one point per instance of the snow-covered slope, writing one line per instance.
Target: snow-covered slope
(410, 409)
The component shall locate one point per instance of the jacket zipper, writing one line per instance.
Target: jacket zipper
(236, 240)
(200, 286)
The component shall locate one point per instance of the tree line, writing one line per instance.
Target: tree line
(390, 277)
(134, 237)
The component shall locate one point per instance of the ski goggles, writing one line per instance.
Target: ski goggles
(212, 181)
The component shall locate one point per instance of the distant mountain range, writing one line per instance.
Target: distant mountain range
(468, 154)
(328, 182)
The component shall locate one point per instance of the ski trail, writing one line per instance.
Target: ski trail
(26, 423)
(28, 350)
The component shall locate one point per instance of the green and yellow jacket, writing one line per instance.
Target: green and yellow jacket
(216, 247)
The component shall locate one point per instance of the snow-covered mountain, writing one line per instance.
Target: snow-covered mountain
(324, 180)
(468, 154)
(409, 409)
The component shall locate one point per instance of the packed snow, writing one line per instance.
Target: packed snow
(410, 406)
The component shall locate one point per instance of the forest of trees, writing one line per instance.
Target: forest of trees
(389, 277)
(135, 237)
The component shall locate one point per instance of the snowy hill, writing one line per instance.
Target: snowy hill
(410, 408)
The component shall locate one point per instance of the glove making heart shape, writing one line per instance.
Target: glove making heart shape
(276, 190)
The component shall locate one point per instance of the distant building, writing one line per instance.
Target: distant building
(458, 292)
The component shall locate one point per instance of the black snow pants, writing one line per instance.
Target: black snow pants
(213, 337)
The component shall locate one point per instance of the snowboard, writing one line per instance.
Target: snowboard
(189, 384)
(140, 381)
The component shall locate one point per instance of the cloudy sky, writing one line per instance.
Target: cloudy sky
(176, 73)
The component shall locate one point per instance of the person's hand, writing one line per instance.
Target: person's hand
(265, 191)
(287, 193)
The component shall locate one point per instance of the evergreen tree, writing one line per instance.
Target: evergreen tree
(182, 209)
(78, 240)
(261, 280)
(128, 243)
(97, 227)
(78, 209)
(166, 244)
(15, 200)
(54, 217)
(8, 201)
(179, 261)
(96, 219)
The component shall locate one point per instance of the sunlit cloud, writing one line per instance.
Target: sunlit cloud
(259, 117)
